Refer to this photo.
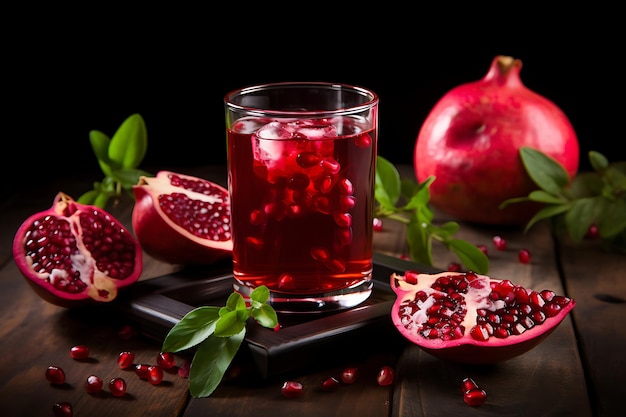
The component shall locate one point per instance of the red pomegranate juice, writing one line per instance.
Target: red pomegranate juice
(302, 195)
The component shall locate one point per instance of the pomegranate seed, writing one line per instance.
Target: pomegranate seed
(166, 360)
(117, 387)
(55, 375)
(524, 256)
(378, 224)
(475, 397)
(454, 267)
(127, 332)
(468, 384)
(593, 232)
(385, 376)
(349, 375)
(62, 409)
(79, 352)
(291, 389)
(183, 370)
(499, 242)
(329, 384)
(155, 374)
(141, 370)
(483, 248)
(93, 384)
(125, 359)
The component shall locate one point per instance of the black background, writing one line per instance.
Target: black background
(65, 76)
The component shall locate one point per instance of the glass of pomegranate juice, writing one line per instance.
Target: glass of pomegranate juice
(301, 175)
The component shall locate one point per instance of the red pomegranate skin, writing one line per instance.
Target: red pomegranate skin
(470, 142)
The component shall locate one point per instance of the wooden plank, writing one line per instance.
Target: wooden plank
(597, 280)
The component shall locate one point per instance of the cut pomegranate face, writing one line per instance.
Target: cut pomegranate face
(181, 219)
(471, 318)
(74, 253)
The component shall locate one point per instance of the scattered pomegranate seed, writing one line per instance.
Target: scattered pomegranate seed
(454, 267)
(55, 375)
(592, 232)
(155, 374)
(183, 370)
(141, 369)
(499, 242)
(467, 384)
(79, 352)
(329, 384)
(291, 389)
(125, 359)
(127, 332)
(117, 387)
(166, 360)
(475, 397)
(483, 248)
(524, 256)
(378, 224)
(93, 384)
(385, 376)
(349, 375)
(62, 409)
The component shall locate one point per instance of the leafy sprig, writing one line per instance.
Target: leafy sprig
(406, 201)
(217, 334)
(573, 205)
(119, 158)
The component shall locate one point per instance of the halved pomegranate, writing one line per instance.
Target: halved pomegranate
(182, 219)
(73, 253)
(471, 318)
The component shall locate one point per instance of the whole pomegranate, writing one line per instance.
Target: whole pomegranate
(471, 318)
(470, 142)
(74, 253)
(182, 219)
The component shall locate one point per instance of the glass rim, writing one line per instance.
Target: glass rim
(371, 97)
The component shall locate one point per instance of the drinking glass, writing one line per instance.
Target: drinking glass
(301, 175)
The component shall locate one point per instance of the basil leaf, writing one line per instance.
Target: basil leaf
(210, 363)
(259, 295)
(266, 316)
(191, 330)
(229, 324)
(387, 186)
(545, 171)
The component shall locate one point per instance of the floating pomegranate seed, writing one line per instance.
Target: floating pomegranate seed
(55, 375)
(94, 384)
(378, 224)
(499, 242)
(454, 267)
(291, 389)
(125, 359)
(166, 360)
(79, 352)
(329, 384)
(483, 248)
(349, 375)
(141, 369)
(62, 409)
(155, 374)
(117, 387)
(524, 256)
(385, 376)
(475, 397)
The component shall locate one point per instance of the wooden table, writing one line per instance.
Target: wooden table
(577, 371)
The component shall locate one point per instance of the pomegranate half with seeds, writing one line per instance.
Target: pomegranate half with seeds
(471, 318)
(182, 219)
(73, 253)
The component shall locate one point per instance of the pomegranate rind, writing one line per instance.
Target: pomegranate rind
(470, 142)
(162, 238)
(467, 350)
(101, 288)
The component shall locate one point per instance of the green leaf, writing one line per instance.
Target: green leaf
(265, 316)
(229, 324)
(598, 161)
(100, 145)
(579, 217)
(89, 197)
(129, 143)
(470, 256)
(192, 329)
(545, 171)
(387, 186)
(545, 213)
(611, 218)
(210, 363)
(259, 295)
(541, 196)
(418, 241)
